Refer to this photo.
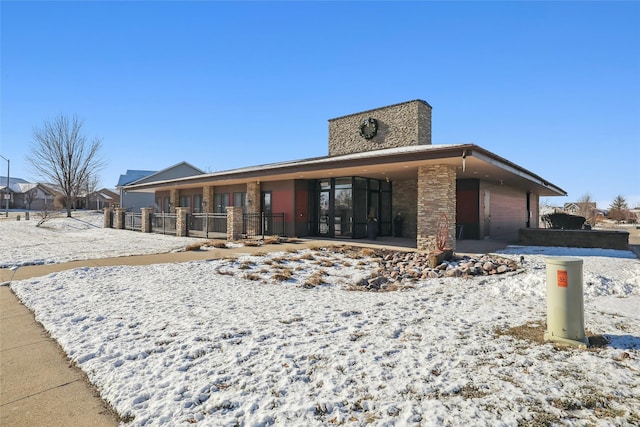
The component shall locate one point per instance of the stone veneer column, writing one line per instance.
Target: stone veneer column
(403, 201)
(174, 199)
(119, 220)
(253, 197)
(181, 222)
(146, 219)
(253, 207)
(106, 222)
(234, 222)
(436, 196)
(207, 199)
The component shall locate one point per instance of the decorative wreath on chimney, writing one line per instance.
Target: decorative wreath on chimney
(368, 128)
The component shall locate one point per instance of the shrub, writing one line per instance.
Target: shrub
(563, 221)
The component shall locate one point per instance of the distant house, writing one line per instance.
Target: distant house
(39, 196)
(575, 208)
(27, 195)
(133, 201)
(103, 198)
(588, 210)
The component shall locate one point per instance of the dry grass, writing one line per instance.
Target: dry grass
(325, 262)
(530, 331)
(368, 253)
(283, 275)
(193, 247)
(534, 333)
(225, 272)
(246, 265)
(317, 247)
(308, 256)
(271, 240)
(316, 279)
(217, 243)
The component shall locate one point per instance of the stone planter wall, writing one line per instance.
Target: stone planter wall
(574, 238)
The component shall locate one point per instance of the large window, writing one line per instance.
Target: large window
(197, 203)
(220, 201)
(239, 199)
(347, 206)
(185, 201)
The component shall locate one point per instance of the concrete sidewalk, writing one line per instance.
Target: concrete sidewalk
(39, 386)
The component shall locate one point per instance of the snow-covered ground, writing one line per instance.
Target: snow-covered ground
(82, 237)
(277, 339)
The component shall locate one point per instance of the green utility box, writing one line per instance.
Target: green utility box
(565, 304)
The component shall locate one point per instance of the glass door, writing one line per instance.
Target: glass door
(343, 208)
(324, 213)
(266, 210)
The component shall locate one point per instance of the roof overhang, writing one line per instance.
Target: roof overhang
(470, 161)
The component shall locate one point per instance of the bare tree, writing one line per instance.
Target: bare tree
(62, 154)
(587, 208)
(30, 196)
(90, 190)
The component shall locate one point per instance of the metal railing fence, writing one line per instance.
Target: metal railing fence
(164, 223)
(208, 225)
(262, 224)
(133, 221)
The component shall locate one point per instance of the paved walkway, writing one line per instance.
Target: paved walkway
(39, 386)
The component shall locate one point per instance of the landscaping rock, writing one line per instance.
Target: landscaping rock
(398, 268)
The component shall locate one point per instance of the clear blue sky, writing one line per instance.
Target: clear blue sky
(551, 86)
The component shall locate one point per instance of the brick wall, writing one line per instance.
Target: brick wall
(436, 197)
(399, 125)
(507, 209)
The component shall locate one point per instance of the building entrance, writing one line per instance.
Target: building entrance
(350, 207)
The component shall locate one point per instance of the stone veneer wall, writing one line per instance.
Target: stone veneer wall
(399, 125)
(207, 199)
(436, 196)
(234, 222)
(119, 219)
(404, 200)
(174, 199)
(146, 221)
(107, 218)
(574, 238)
(253, 197)
(253, 207)
(182, 229)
